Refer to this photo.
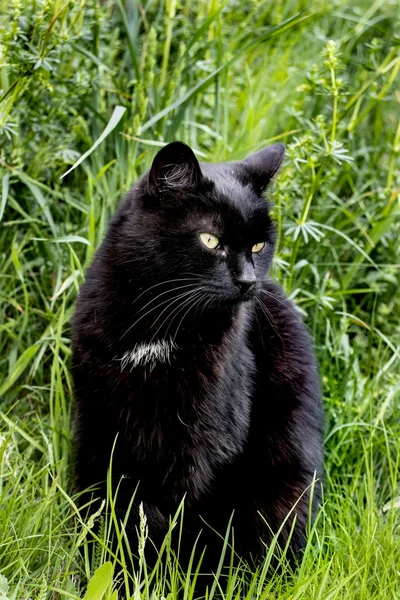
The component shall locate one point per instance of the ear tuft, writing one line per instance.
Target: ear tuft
(262, 165)
(175, 167)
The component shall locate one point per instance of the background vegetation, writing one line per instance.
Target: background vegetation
(228, 78)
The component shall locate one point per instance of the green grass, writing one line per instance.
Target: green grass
(227, 78)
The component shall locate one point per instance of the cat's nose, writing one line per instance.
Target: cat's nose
(246, 285)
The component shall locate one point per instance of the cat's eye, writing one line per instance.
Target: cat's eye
(209, 240)
(258, 247)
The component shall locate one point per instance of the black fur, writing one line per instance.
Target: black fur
(232, 419)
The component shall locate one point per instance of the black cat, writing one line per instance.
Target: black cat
(195, 362)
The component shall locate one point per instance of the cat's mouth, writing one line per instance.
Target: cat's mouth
(248, 295)
(223, 296)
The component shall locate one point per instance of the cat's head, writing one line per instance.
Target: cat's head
(205, 225)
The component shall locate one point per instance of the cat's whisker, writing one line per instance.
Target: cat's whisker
(207, 303)
(259, 329)
(162, 283)
(272, 322)
(152, 309)
(268, 315)
(171, 290)
(186, 313)
(285, 304)
(177, 311)
(202, 308)
(175, 308)
(194, 275)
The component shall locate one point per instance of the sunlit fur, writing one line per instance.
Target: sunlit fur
(229, 414)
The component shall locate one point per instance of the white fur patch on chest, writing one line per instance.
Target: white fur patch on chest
(148, 354)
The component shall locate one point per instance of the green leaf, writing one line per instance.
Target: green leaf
(90, 55)
(130, 30)
(101, 580)
(203, 85)
(66, 239)
(4, 194)
(199, 87)
(66, 284)
(112, 123)
(14, 427)
(20, 366)
(41, 200)
(4, 587)
(204, 29)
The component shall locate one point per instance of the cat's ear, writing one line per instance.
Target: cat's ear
(261, 166)
(175, 167)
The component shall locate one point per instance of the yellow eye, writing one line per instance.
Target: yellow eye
(209, 240)
(258, 247)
